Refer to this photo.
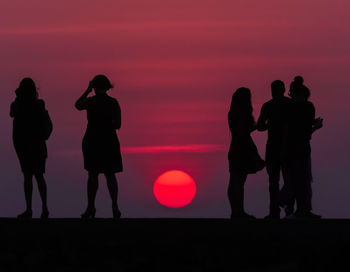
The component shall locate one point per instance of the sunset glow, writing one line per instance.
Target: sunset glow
(174, 66)
(174, 189)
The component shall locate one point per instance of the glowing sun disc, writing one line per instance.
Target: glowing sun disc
(174, 189)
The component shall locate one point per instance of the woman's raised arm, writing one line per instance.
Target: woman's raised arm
(81, 103)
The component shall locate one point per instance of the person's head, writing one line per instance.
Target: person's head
(295, 84)
(298, 90)
(27, 89)
(101, 84)
(301, 93)
(277, 88)
(241, 102)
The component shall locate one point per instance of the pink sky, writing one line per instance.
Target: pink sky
(174, 65)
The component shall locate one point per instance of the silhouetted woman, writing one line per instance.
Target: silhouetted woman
(31, 128)
(101, 148)
(301, 125)
(243, 155)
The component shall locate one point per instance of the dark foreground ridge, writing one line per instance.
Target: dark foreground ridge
(174, 245)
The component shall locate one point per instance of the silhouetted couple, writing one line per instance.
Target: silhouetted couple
(290, 123)
(101, 150)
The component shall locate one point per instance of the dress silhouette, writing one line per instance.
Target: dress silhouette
(273, 117)
(101, 148)
(243, 155)
(301, 125)
(31, 128)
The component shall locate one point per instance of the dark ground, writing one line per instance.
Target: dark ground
(174, 245)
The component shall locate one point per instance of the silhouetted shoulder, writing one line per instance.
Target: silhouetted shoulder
(116, 103)
(113, 102)
(276, 101)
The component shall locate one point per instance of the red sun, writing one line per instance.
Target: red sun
(174, 189)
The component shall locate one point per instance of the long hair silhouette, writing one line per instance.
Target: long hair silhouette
(243, 156)
(31, 128)
(241, 104)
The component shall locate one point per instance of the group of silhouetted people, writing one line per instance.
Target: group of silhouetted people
(289, 121)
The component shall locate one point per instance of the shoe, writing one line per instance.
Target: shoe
(89, 213)
(44, 214)
(25, 215)
(242, 215)
(307, 215)
(116, 213)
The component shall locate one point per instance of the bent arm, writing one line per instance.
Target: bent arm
(82, 102)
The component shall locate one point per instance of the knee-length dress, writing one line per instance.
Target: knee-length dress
(243, 155)
(29, 135)
(101, 148)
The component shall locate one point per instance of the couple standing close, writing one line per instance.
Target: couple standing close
(290, 123)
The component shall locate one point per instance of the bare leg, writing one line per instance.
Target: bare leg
(236, 193)
(92, 187)
(42, 190)
(113, 189)
(28, 190)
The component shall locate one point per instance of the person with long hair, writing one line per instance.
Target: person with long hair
(101, 148)
(302, 123)
(31, 128)
(243, 155)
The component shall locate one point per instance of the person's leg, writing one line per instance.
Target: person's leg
(273, 171)
(287, 177)
(28, 190)
(113, 192)
(304, 191)
(92, 187)
(42, 191)
(273, 167)
(236, 193)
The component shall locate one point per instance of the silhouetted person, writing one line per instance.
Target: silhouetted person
(31, 128)
(243, 155)
(273, 117)
(101, 148)
(301, 125)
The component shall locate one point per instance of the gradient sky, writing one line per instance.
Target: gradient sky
(174, 65)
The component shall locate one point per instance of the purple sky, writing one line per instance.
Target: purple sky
(174, 65)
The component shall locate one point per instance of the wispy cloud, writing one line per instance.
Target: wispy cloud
(197, 148)
(192, 148)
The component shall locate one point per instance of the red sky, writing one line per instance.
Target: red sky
(174, 65)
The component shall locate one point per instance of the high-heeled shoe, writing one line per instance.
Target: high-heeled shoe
(27, 214)
(44, 214)
(89, 213)
(116, 213)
